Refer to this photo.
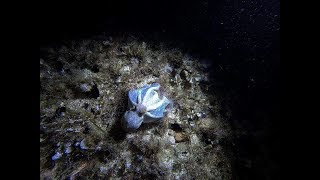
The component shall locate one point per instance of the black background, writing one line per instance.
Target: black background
(240, 38)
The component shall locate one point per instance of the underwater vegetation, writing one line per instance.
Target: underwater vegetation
(90, 88)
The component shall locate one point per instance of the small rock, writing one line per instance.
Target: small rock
(194, 140)
(85, 87)
(205, 123)
(61, 104)
(172, 140)
(170, 132)
(167, 68)
(199, 114)
(118, 80)
(128, 164)
(180, 137)
(98, 148)
(166, 159)
(104, 170)
(192, 124)
(125, 69)
(56, 156)
(146, 138)
(134, 60)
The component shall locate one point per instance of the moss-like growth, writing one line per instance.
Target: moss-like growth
(83, 96)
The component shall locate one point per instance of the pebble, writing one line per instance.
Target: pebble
(192, 124)
(180, 137)
(104, 170)
(128, 164)
(170, 132)
(85, 87)
(119, 80)
(167, 68)
(126, 69)
(134, 61)
(172, 140)
(194, 139)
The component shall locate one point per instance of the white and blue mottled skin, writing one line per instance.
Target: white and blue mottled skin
(145, 105)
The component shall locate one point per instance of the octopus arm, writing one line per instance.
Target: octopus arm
(158, 112)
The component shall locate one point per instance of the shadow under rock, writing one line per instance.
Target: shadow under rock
(117, 132)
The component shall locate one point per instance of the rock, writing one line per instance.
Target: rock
(170, 132)
(192, 124)
(146, 138)
(85, 87)
(205, 123)
(125, 69)
(128, 164)
(104, 170)
(194, 140)
(180, 137)
(167, 68)
(118, 80)
(134, 60)
(172, 141)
